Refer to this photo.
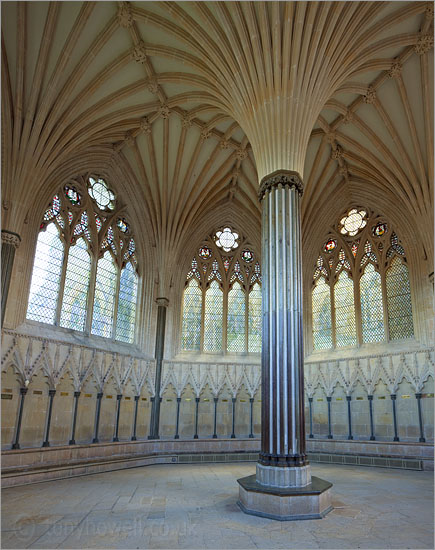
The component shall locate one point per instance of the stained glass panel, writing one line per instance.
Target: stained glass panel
(213, 318)
(236, 319)
(254, 320)
(372, 315)
(247, 255)
(126, 316)
(74, 303)
(345, 327)
(104, 299)
(322, 326)
(191, 326)
(47, 269)
(399, 301)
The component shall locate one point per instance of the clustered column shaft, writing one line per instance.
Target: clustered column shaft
(46, 442)
(162, 304)
(282, 430)
(72, 441)
(16, 443)
(136, 403)
(97, 417)
(10, 242)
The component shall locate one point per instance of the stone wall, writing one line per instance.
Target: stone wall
(49, 364)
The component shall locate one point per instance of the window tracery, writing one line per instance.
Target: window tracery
(361, 291)
(222, 296)
(85, 268)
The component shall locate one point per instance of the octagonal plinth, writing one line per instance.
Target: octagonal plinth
(310, 502)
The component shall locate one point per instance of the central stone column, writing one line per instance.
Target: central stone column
(283, 461)
(282, 487)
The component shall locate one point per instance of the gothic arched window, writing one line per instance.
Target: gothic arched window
(361, 292)
(222, 297)
(85, 269)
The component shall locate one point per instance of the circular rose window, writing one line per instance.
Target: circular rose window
(227, 239)
(353, 222)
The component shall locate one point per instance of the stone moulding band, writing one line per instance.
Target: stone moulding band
(9, 237)
(282, 461)
(286, 178)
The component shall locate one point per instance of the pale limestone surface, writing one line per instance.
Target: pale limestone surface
(195, 506)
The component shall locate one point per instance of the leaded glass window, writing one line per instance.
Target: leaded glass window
(236, 319)
(47, 270)
(221, 307)
(345, 327)
(361, 269)
(125, 318)
(213, 318)
(74, 303)
(83, 233)
(104, 300)
(399, 301)
(372, 315)
(254, 319)
(322, 326)
(192, 309)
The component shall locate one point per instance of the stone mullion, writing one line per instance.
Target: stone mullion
(384, 305)
(333, 326)
(116, 301)
(201, 341)
(247, 319)
(225, 291)
(91, 292)
(357, 304)
(61, 292)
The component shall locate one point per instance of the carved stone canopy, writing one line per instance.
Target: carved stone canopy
(286, 178)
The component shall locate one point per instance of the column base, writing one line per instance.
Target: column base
(251, 436)
(46, 444)
(153, 437)
(214, 436)
(396, 439)
(233, 436)
(176, 436)
(196, 436)
(16, 446)
(277, 477)
(372, 438)
(134, 438)
(297, 503)
(72, 442)
(115, 439)
(422, 440)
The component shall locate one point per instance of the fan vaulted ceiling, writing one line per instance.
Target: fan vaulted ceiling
(176, 96)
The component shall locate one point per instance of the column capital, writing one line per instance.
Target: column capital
(286, 178)
(9, 237)
(162, 302)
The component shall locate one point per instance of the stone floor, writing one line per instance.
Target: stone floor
(194, 506)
